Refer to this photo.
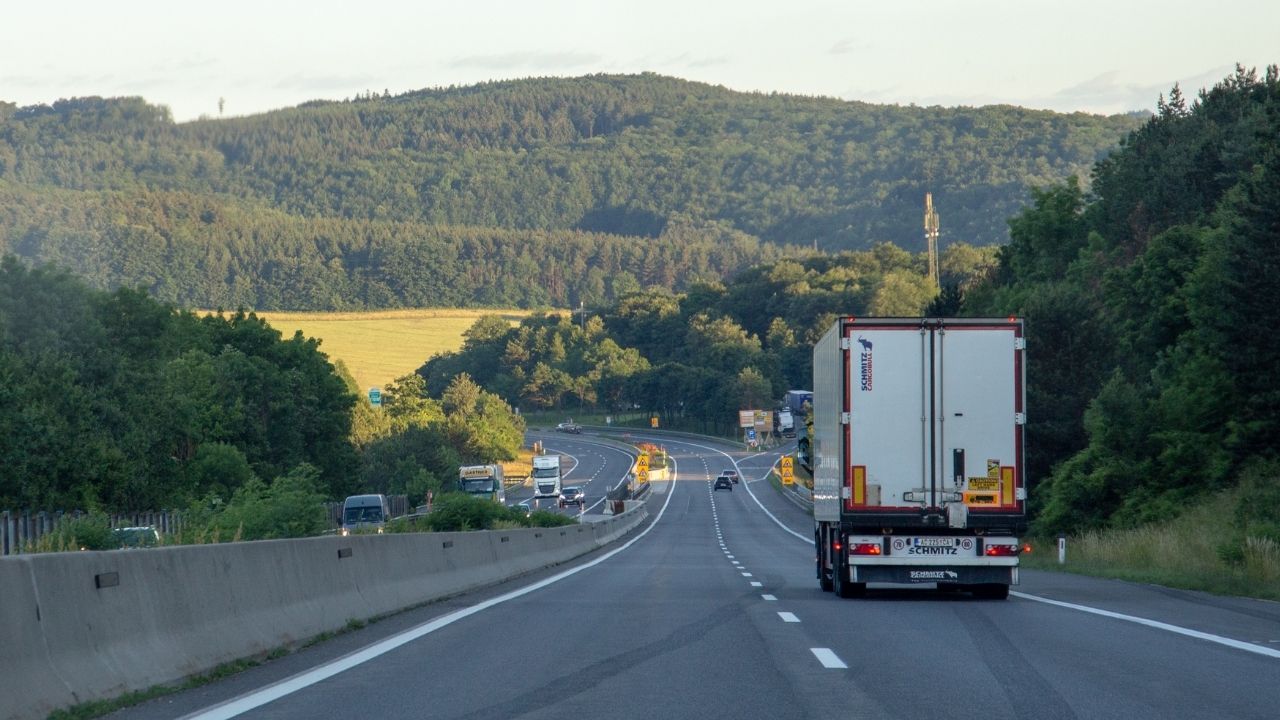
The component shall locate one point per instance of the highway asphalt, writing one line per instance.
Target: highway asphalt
(712, 610)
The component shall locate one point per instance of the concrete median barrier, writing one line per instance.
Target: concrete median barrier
(86, 626)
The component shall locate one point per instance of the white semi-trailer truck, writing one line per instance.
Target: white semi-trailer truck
(917, 456)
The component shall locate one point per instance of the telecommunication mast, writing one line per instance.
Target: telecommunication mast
(931, 236)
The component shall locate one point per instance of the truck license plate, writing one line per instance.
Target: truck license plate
(933, 542)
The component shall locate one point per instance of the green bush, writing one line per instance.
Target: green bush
(457, 511)
(87, 532)
(292, 506)
(546, 518)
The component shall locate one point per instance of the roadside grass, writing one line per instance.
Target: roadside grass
(378, 347)
(1202, 549)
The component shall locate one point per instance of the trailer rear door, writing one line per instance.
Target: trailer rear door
(935, 409)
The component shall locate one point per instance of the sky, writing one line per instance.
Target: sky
(1098, 56)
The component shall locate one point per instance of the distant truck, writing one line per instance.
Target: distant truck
(786, 423)
(546, 476)
(796, 399)
(483, 481)
(918, 453)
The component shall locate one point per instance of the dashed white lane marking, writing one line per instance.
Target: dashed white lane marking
(788, 617)
(768, 597)
(746, 575)
(757, 584)
(1237, 644)
(828, 659)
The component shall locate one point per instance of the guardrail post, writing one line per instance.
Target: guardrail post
(1062, 549)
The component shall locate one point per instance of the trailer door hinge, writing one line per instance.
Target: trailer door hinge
(1019, 418)
(844, 418)
(846, 342)
(1020, 343)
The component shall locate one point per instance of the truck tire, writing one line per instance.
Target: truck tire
(820, 546)
(991, 591)
(840, 579)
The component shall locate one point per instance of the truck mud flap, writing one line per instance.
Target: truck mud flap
(915, 574)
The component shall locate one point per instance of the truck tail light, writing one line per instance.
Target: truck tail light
(1002, 550)
(864, 549)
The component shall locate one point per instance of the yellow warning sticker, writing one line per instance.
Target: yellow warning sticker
(980, 498)
(981, 483)
(993, 469)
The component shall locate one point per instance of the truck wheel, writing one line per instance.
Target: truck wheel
(991, 591)
(819, 544)
(840, 580)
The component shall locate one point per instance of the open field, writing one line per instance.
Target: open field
(378, 347)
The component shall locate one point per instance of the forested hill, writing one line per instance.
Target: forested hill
(1150, 306)
(654, 180)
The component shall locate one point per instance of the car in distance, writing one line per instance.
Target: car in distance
(568, 427)
(724, 481)
(524, 506)
(572, 496)
(732, 473)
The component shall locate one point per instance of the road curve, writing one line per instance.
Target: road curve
(714, 611)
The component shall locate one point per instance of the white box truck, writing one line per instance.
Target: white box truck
(786, 423)
(918, 453)
(546, 476)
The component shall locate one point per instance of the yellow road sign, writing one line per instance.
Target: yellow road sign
(642, 476)
(642, 461)
(786, 461)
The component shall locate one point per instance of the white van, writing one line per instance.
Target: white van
(546, 476)
(364, 512)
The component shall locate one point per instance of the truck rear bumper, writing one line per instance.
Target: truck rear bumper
(960, 574)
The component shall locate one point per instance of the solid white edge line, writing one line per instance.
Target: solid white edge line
(258, 698)
(788, 617)
(1237, 644)
(1228, 642)
(828, 659)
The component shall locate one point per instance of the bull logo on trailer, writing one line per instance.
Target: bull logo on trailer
(865, 364)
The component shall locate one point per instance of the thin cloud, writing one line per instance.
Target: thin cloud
(322, 83)
(527, 60)
(708, 62)
(847, 46)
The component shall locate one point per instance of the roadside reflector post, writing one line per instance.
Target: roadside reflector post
(1062, 549)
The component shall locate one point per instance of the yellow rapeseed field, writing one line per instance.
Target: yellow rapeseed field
(378, 347)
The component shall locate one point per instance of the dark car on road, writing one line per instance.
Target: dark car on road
(568, 427)
(572, 496)
(724, 481)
